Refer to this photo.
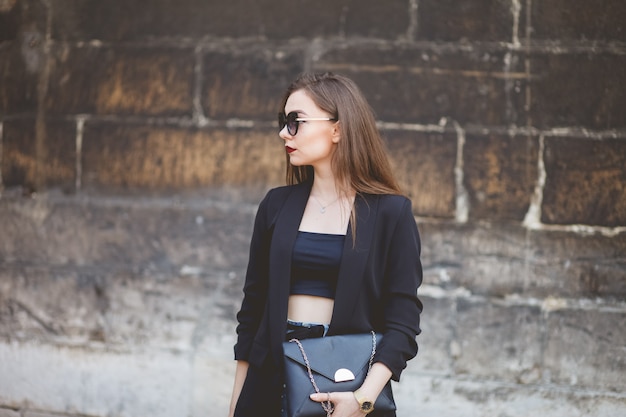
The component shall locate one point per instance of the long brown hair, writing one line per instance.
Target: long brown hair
(360, 162)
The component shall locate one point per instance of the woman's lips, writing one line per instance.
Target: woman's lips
(289, 150)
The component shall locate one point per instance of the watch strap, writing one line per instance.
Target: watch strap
(365, 404)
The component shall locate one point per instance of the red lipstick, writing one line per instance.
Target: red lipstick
(289, 150)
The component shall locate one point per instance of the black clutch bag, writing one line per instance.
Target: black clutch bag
(329, 364)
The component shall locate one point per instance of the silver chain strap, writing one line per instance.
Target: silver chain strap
(327, 405)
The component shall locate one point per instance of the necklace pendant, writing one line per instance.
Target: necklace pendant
(323, 210)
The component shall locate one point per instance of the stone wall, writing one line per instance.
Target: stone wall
(136, 140)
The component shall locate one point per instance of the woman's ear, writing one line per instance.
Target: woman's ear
(336, 132)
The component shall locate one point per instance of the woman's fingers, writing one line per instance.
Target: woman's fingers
(322, 396)
(345, 404)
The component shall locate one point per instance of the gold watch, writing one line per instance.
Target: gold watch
(365, 404)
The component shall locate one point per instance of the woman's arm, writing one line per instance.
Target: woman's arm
(240, 378)
(375, 381)
(400, 305)
(256, 283)
(255, 294)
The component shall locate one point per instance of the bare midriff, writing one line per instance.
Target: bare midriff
(310, 309)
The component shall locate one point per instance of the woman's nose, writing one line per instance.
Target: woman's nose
(284, 134)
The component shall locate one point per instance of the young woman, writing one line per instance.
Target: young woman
(336, 251)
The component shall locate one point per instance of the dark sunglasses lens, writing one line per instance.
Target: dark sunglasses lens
(288, 120)
(292, 123)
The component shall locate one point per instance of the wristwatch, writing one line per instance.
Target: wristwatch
(365, 404)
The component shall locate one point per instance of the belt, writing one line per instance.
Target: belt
(295, 331)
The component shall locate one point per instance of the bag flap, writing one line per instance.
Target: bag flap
(328, 354)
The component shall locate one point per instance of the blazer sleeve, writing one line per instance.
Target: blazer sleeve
(256, 282)
(401, 306)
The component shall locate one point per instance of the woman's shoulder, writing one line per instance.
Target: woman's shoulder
(395, 212)
(275, 197)
(393, 202)
(283, 191)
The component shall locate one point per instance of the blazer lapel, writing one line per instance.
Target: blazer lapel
(353, 261)
(283, 239)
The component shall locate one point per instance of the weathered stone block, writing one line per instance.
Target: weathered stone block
(29, 413)
(596, 359)
(22, 18)
(5, 412)
(121, 20)
(499, 341)
(449, 20)
(501, 260)
(168, 158)
(371, 18)
(31, 307)
(424, 165)
(23, 25)
(407, 84)
(579, 20)
(571, 265)
(467, 396)
(39, 156)
(486, 259)
(250, 84)
(116, 308)
(122, 81)
(18, 78)
(440, 255)
(437, 323)
(9, 23)
(493, 260)
(154, 235)
(585, 182)
(97, 382)
(158, 273)
(500, 174)
(586, 90)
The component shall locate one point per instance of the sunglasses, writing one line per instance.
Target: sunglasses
(292, 121)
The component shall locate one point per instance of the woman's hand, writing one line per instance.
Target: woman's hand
(344, 403)
(240, 376)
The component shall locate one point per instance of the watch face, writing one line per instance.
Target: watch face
(367, 406)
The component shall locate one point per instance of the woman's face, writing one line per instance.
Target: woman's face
(315, 141)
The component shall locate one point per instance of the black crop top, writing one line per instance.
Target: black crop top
(315, 264)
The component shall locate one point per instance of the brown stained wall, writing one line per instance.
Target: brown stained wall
(136, 141)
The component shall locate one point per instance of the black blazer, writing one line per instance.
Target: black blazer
(376, 289)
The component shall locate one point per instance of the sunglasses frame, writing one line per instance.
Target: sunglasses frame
(284, 120)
